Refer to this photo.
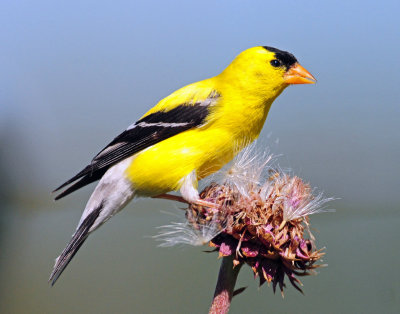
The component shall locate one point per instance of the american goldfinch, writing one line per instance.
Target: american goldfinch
(187, 136)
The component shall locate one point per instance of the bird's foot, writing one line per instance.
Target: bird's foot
(214, 207)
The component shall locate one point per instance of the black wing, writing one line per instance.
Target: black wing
(146, 132)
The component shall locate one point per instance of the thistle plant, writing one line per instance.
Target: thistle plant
(261, 219)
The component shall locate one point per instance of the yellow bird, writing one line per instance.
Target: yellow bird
(187, 136)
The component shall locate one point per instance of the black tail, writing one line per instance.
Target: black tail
(74, 245)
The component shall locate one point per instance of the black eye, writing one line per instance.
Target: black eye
(275, 63)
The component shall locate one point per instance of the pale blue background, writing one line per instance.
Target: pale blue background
(73, 74)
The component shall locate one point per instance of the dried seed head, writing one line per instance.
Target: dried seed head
(262, 224)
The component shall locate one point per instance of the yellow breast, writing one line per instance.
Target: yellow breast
(160, 168)
(234, 122)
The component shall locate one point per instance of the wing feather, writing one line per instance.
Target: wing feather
(149, 130)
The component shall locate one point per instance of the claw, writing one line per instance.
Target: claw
(214, 207)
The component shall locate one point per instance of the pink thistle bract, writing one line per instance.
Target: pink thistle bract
(266, 227)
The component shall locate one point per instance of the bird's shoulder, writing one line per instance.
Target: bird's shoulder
(202, 93)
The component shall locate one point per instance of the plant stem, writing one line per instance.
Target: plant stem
(225, 286)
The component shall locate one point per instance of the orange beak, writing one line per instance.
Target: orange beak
(298, 75)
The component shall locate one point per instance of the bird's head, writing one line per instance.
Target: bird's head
(266, 70)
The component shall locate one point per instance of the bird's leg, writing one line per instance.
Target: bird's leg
(191, 194)
(178, 198)
(171, 197)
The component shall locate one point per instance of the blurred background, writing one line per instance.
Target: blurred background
(73, 74)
